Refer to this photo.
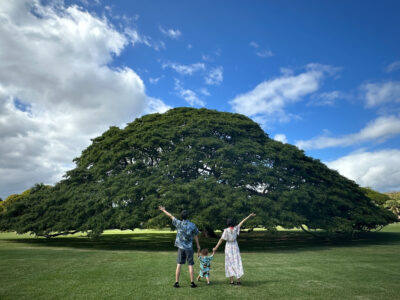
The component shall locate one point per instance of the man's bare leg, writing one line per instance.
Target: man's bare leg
(191, 273)
(178, 272)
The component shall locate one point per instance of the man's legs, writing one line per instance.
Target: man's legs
(178, 272)
(191, 272)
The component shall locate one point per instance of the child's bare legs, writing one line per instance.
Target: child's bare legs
(208, 279)
(198, 278)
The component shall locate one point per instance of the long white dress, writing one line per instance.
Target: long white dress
(233, 261)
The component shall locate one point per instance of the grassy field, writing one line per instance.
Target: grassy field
(141, 265)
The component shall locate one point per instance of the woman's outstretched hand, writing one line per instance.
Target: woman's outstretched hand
(252, 215)
(162, 208)
(214, 250)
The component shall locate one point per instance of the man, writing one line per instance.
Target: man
(186, 231)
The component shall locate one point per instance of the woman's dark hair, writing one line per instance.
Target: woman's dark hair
(184, 214)
(230, 222)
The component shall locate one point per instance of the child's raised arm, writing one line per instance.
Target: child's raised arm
(245, 219)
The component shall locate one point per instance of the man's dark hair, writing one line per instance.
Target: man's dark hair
(184, 214)
(230, 222)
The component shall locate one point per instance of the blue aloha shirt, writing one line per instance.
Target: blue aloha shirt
(205, 265)
(186, 230)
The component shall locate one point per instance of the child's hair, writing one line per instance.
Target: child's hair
(230, 222)
(204, 252)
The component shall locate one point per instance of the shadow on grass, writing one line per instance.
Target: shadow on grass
(248, 242)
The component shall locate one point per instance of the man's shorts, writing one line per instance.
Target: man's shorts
(185, 255)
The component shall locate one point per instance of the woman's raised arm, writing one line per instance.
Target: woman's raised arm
(245, 219)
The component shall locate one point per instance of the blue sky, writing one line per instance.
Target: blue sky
(323, 75)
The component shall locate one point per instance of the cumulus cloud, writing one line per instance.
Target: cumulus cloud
(188, 95)
(378, 130)
(214, 76)
(57, 90)
(269, 98)
(379, 170)
(394, 66)
(281, 138)
(171, 33)
(184, 69)
(379, 93)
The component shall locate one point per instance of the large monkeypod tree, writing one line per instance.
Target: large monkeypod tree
(213, 164)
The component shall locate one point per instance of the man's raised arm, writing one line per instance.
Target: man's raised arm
(162, 208)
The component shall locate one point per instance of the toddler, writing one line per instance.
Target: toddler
(205, 264)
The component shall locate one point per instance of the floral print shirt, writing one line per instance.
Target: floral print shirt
(186, 230)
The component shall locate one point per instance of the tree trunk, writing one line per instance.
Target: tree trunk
(311, 233)
(208, 232)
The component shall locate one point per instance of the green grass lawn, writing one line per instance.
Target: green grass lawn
(141, 265)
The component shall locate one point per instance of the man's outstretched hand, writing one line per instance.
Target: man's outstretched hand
(162, 208)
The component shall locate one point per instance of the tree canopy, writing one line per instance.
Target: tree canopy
(214, 164)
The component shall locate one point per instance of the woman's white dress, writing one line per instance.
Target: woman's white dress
(233, 261)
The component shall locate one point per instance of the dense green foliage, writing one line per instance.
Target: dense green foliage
(378, 198)
(212, 163)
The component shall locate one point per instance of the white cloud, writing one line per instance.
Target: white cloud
(261, 52)
(254, 44)
(55, 61)
(136, 38)
(204, 91)
(264, 53)
(286, 71)
(270, 97)
(205, 57)
(188, 95)
(171, 33)
(184, 69)
(326, 98)
(394, 66)
(155, 80)
(379, 170)
(214, 76)
(281, 138)
(378, 130)
(379, 93)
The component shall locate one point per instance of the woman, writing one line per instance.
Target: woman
(233, 261)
